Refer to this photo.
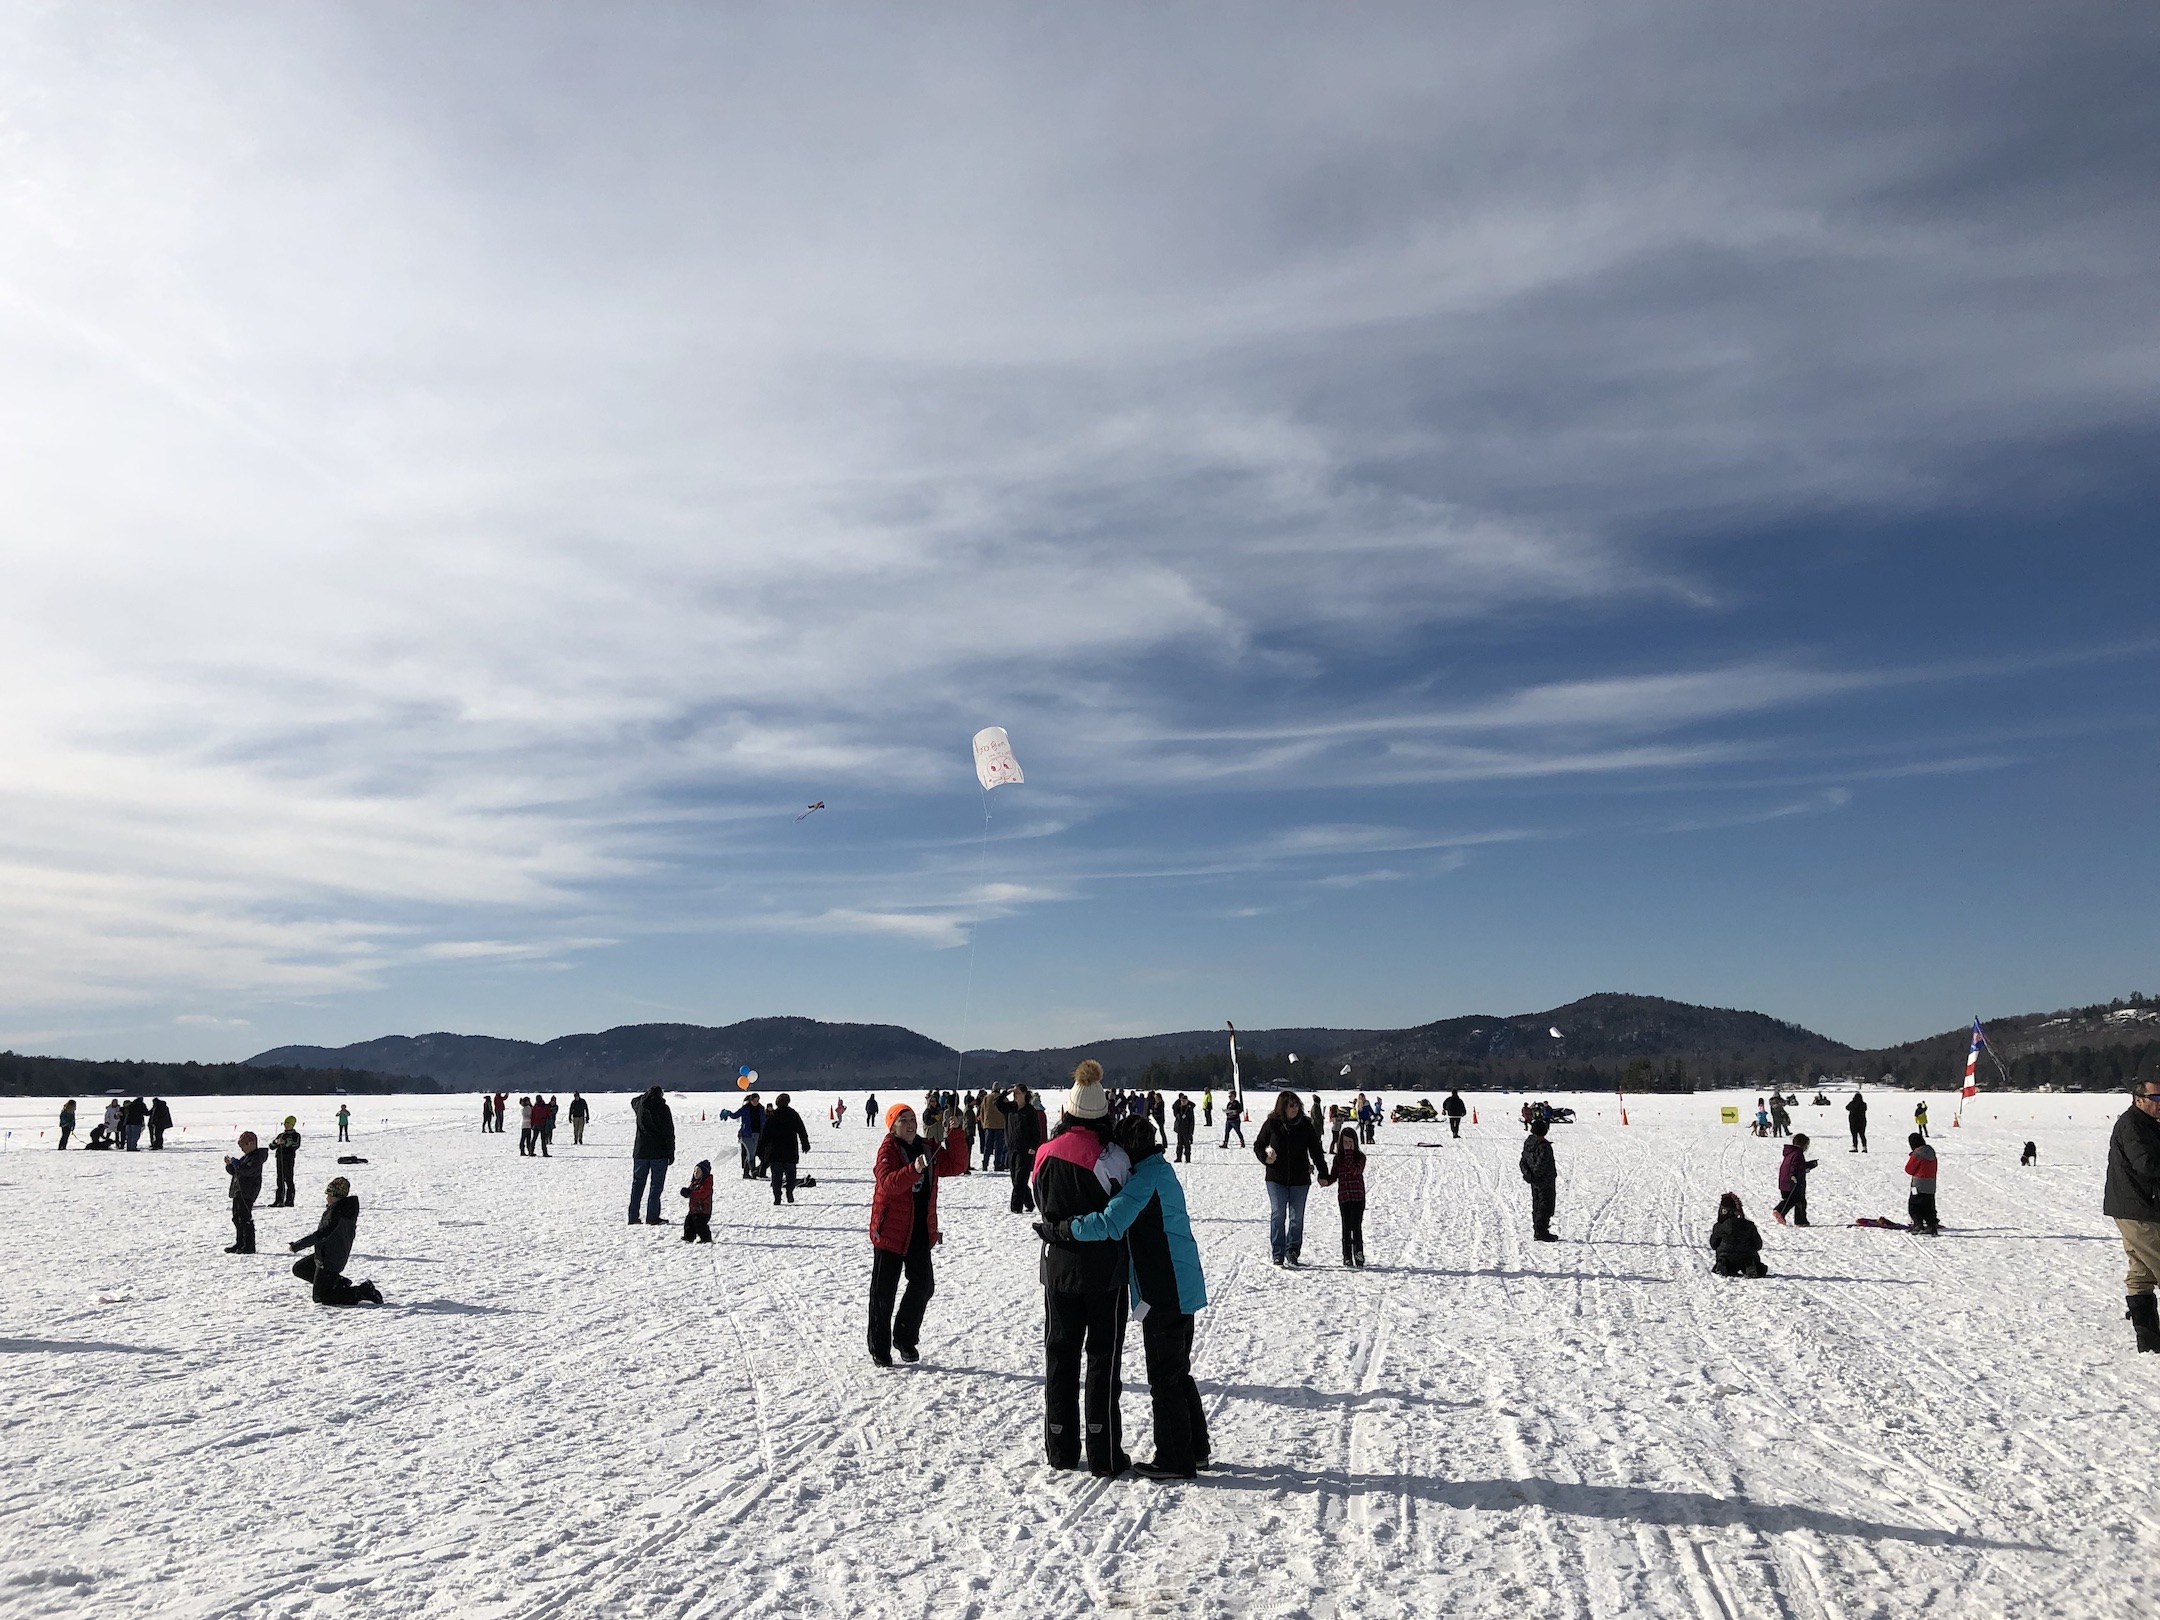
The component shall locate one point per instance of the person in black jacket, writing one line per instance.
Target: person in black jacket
(580, 1112)
(160, 1123)
(1182, 1118)
(1856, 1118)
(132, 1119)
(1083, 1284)
(246, 1172)
(286, 1145)
(781, 1144)
(651, 1152)
(332, 1241)
(1290, 1148)
(2132, 1198)
(1454, 1108)
(1735, 1241)
(1543, 1174)
(1023, 1136)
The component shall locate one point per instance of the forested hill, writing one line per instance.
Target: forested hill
(76, 1077)
(2093, 1048)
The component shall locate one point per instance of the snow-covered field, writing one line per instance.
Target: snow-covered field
(562, 1415)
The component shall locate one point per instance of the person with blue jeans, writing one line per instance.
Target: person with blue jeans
(651, 1153)
(1290, 1148)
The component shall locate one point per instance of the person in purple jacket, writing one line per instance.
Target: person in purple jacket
(1792, 1182)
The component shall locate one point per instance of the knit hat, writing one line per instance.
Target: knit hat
(338, 1187)
(1086, 1099)
(894, 1112)
(291, 1120)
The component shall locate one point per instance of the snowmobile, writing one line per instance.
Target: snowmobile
(1417, 1113)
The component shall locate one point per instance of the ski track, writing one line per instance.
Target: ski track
(563, 1415)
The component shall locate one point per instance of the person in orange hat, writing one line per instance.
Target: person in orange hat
(903, 1227)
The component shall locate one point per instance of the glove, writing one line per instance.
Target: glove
(1054, 1231)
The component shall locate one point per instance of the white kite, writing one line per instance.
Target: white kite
(994, 762)
(1555, 1034)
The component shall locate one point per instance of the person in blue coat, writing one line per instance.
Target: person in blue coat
(1168, 1290)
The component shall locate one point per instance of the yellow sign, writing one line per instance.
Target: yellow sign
(1728, 1116)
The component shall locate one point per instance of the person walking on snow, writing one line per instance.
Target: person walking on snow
(1181, 1118)
(1083, 1282)
(1919, 1117)
(286, 1145)
(781, 1145)
(697, 1221)
(2132, 1200)
(651, 1152)
(580, 1112)
(344, 1123)
(869, 1111)
(1167, 1290)
(1454, 1108)
(245, 1169)
(903, 1230)
(1735, 1241)
(1856, 1118)
(1347, 1177)
(1920, 1202)
(1289, 1145)
(1023, 1138)
(67, 1122)
(1543, 1174)
(332, 1241)
(1792, 1177)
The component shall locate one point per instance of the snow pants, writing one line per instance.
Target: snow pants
(1023, 1173)
(1544, 1199)
(243, 1224)
(1093, 1323)
(1454, 1125)
(1794, 1204)
(1286, 1219)
(2141, 1242)
(329, 1288)
(1181, 1432)
(1859, 1138)
(1920, 1210)
(1184, 1150)
(779, 1174)
(904, 1327)
(697, 1228)
(286, 1196)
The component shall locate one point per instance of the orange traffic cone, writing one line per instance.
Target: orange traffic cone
(1473, 1116)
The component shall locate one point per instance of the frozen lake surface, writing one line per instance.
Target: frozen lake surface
(562, 1415)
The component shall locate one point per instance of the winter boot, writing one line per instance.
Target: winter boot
(2144, 1315)
(368, 1291)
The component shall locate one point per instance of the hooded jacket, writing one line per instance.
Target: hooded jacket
(1076, 1171)
(1737, 1243)
(1023, 1131)
(1920, 1165)
(897, 1188)
(1792, 1169)
(699, 1192)
(332, 1239)
(784, 1137)
(1537, 1163)
(655, 1128)
(1149, 1213)
(2133, 1168)
(246, 1172)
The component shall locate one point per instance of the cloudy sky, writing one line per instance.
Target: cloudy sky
(1457, 507)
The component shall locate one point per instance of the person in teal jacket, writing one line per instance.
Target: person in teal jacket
(1148, 1212)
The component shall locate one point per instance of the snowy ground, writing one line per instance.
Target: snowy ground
(561, 1415)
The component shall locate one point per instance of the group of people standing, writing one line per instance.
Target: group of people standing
(332, 1240)
(123, 1125)
(536, 1120)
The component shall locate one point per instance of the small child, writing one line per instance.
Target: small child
(1920, 1204)
(1347, 1177)
(1792, 1182)
(246, 1173)
(697, 1224)
(1735, 1241)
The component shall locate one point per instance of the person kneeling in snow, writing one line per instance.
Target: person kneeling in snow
(1736, 1242)
(697, 1223)
(332, 1241)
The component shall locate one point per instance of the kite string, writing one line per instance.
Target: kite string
(967, 1012)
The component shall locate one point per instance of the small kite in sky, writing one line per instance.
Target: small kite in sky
(994, 762)
(1556, 1035)
(818, 806)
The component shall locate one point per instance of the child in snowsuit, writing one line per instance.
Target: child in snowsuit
(697, 1224)
(332, 1241)
(1920, 1203)
(2031, 1155)
(1347, 1177)
(246, 1173)
(1792, 1182)
(286, 1145)
(1736, 1242)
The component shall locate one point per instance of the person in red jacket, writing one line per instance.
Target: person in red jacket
(903, 1226)
(697, 1224)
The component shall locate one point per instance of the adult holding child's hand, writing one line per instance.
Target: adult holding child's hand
(1290, 1148)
